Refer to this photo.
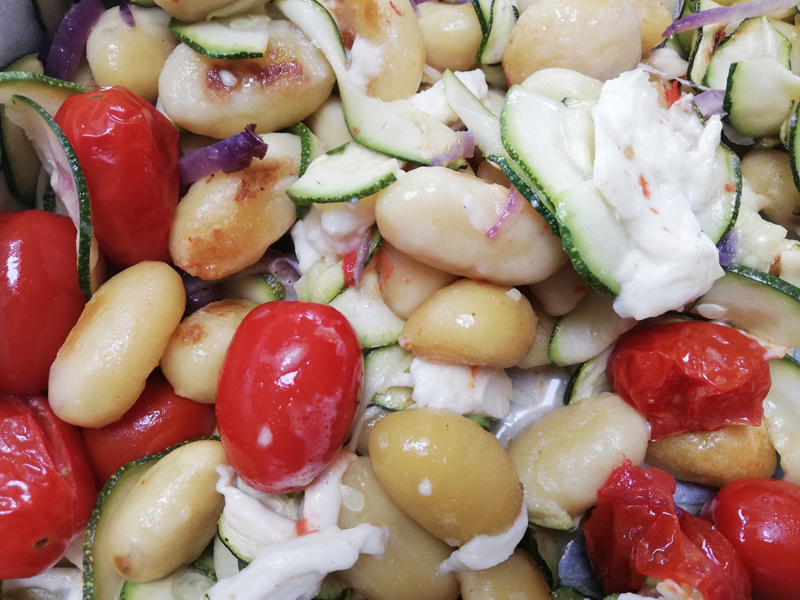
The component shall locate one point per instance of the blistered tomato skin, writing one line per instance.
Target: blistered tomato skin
(46, 489)
(40, 300)
(129, 154)
(761, 519)
(159, 419)
(635, 531)
(288, 393)
(690, 376)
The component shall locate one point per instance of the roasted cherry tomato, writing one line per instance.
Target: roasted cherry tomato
(40, 300)
(690, 376)
(635, 532)
(159, 419)
(129, 154)
(761, 518)
(46, 489)
(287, 393)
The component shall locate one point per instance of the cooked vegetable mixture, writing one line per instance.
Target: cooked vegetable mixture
(399, 300)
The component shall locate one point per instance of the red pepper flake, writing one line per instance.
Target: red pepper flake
(643, 185)
(672, 94)
(397, 10)
(579, 289)
(356, 130)
(473, 373)
(303, 527)
(655, 211)
(730, 187)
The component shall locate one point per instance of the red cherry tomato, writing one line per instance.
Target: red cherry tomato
(46, 488)
(129, 154)
(690, 376)
(287, 393)
(159, 419)
(40, 300)
(635, 532)
(761, 518)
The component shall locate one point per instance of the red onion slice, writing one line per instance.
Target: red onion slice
(361, 258)
(126, 14)
(512, 207)
(728, 14)
(463, 146)
(70, 39)
(710, 102)
(229, 155)
(727, 249)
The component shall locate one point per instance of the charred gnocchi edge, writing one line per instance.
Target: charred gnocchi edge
(527, 191)
(113, 492)
(37, 117)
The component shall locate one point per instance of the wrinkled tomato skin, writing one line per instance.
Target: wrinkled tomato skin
(159, 419)
(288, 393)
(636, 531)
(690, 376)
(40, 299)
(761, 519)
(46, 489)
(129, 154)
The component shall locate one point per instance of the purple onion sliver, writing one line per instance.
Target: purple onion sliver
(511, 207)
(676, 12)
(728, 14)
(727, 249)
(70, 39)
(710, 102)
(416, 8)
(126, 14)
(463, 146)
(361, 258)
(229, 155)
(192, 284)
(201, 298)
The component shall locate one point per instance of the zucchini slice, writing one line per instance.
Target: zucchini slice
(503, 16)
(478, 119)
(704, 42)
(381, 368)
(720, 215)
(310, 146)
(47, 92)
(59, 159)
(183, 584)
(256, 288)
(586, 331)
(759, 96)
(225, 563)
(589, 380)
(782, 413)
(322, 282)
(394, 398)
(374, 323)
(345, 176)
(754, 37)
(234, 38)
(395, 128)
(756, 302)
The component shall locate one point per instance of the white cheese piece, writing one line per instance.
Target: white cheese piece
(790, 263)
(462, 389)
(654, 167)
(63, 582)
(294, 569)
(434, 101)
(331, 230)
(323, 497)
(366, 63)
(486, 551)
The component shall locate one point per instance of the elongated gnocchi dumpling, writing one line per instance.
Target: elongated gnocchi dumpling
(566, 457)
(219, 97)
(441, 218)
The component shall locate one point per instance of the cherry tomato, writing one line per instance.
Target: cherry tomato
(159, 419)
(46, 488)
(761, 518)
(40, 300)
(287, 393)
(635, 532)
(129, 154)
(690, 376)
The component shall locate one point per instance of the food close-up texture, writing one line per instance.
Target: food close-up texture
(399, 300)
